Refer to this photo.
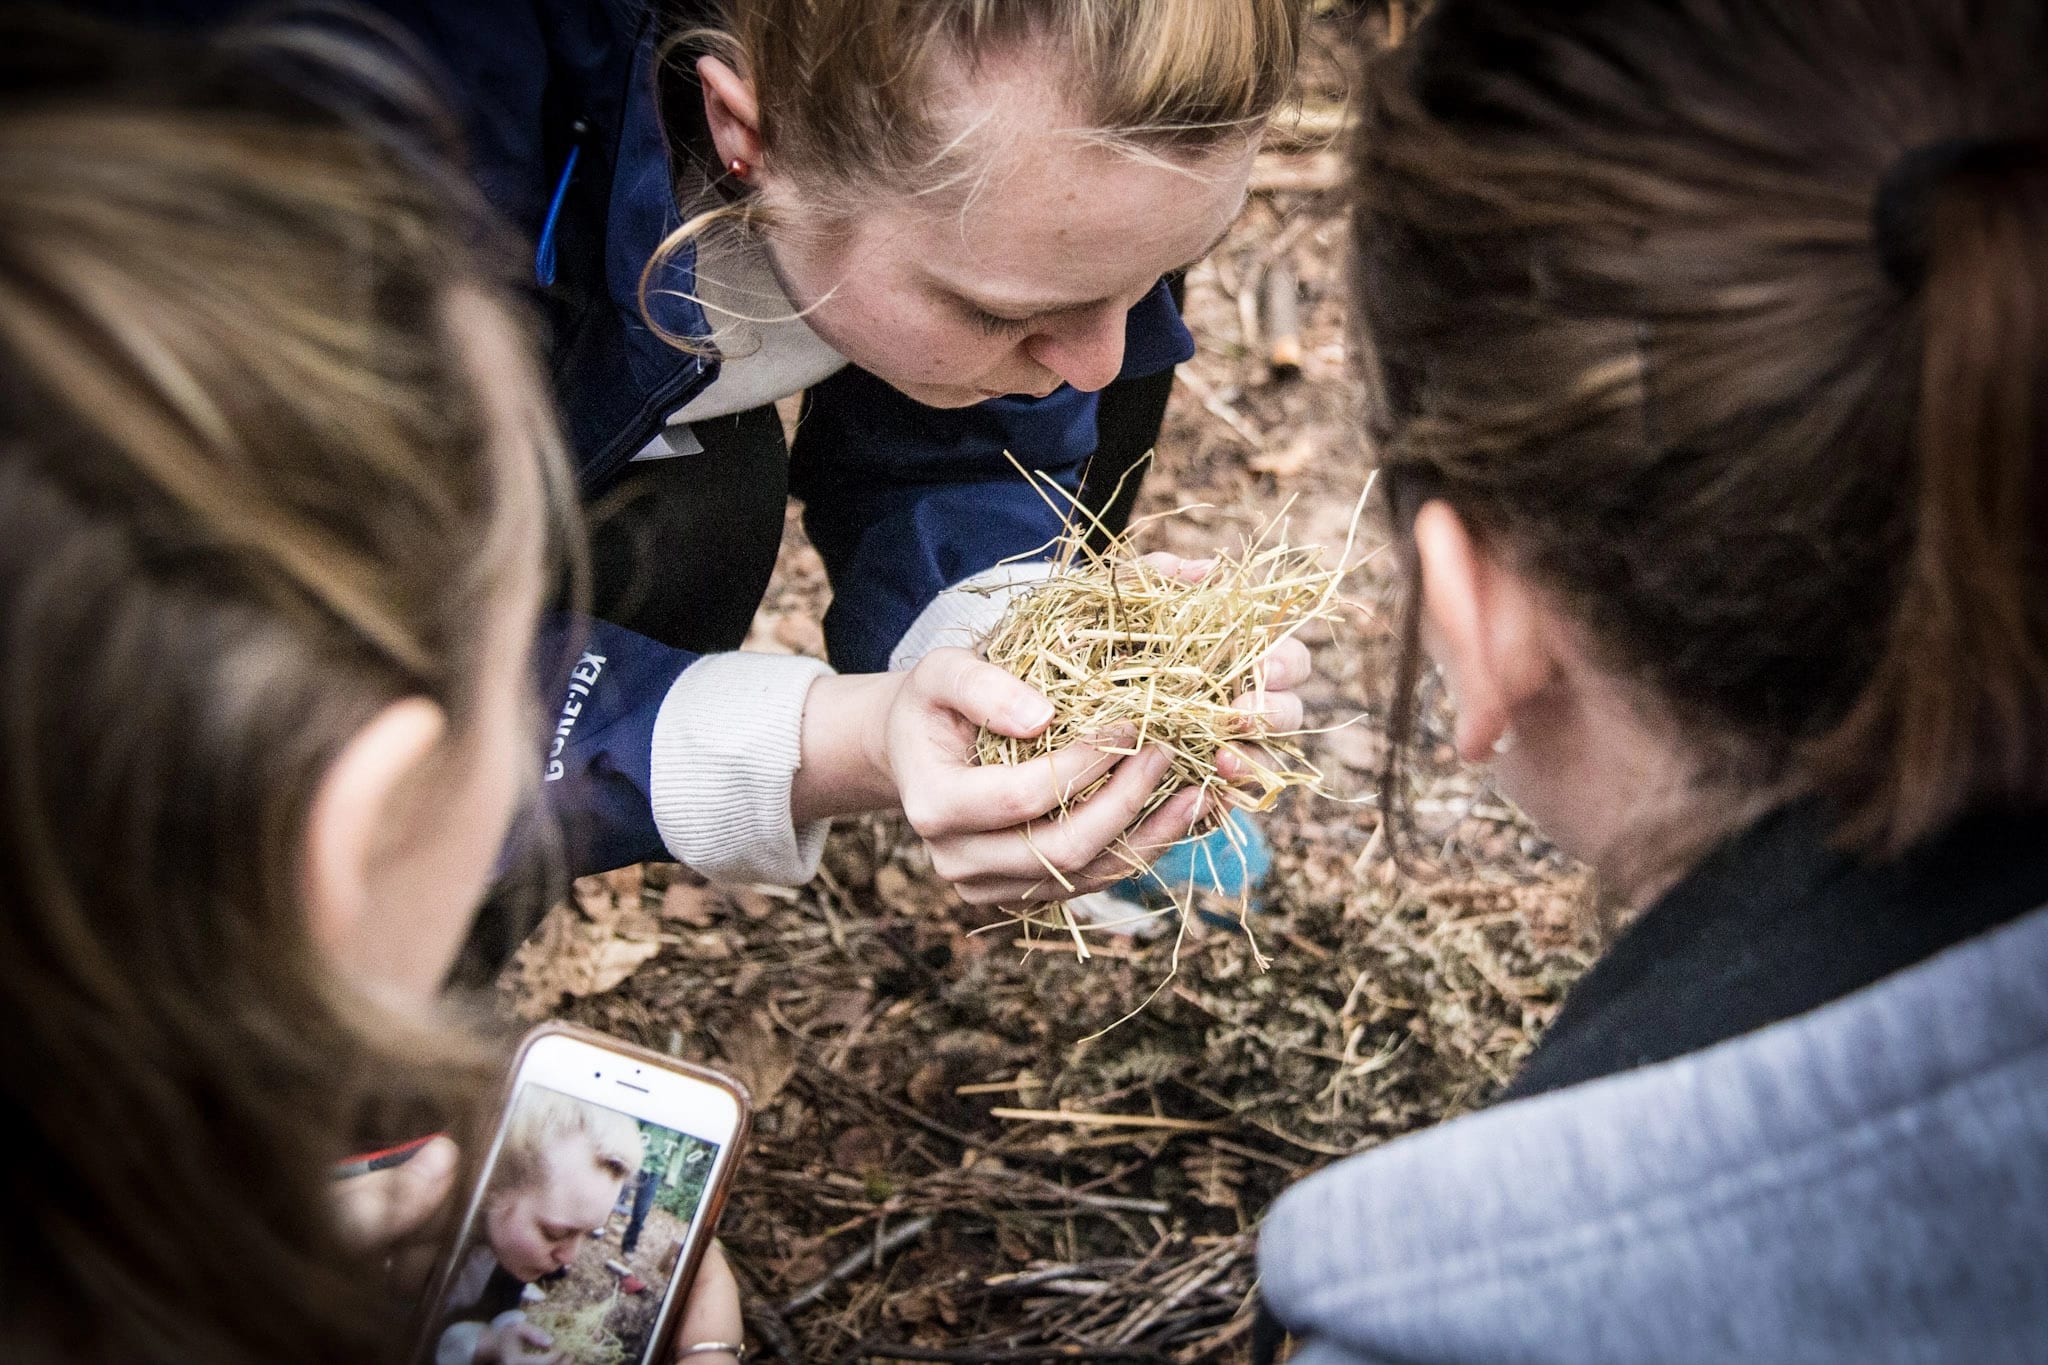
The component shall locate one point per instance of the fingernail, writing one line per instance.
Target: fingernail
(1029, 715)
(434, 1160)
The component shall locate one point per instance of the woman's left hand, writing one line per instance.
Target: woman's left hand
(711, 1315)
(384, 1212)
(1275, 707)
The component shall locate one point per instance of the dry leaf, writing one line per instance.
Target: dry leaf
(569, 957)
(840, 1009)
(759, 1056)
(753, 902)
(690, 903)
(1288, 461)
(625, 884)
(931, 1085)
(611, 962)
(861, 1148)
(594, 898)
(800, 633)
(895, 889)
(705, 947)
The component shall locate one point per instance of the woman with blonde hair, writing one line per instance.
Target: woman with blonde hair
(560, 1168)
(948, 224)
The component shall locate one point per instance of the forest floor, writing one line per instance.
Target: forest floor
(951, 1159)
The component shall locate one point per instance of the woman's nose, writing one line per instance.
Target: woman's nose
(1086, 351)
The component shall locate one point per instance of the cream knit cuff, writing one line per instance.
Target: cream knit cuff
(727, 743)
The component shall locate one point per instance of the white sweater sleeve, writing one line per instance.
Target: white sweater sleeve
(965, 612)
(727, 743)
(728, 740)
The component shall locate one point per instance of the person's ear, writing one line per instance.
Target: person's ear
(732, 111)
(356, 808)
(1484, 624)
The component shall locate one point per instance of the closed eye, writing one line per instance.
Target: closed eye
(991, 324)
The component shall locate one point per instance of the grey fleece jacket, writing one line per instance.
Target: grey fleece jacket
(1866, 1181)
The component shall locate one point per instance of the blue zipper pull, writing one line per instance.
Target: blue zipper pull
(544, 250)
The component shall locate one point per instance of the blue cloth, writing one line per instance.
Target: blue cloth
(597, 780)
(901, 500)
(1233, 863)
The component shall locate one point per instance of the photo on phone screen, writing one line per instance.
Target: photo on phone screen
(575, 1238)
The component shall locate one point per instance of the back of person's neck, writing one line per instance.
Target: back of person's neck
(1617, 782)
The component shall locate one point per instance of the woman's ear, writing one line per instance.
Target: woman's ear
(355, 810)
(1484, 624)
(732, 111)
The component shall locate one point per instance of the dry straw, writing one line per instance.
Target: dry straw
(1120, 646)
(582, 1334)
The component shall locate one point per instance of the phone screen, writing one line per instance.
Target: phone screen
(568, 1256)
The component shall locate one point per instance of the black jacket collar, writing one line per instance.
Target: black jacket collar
(1775, 923)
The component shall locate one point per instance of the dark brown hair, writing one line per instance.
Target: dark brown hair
(250, 499)
(1622, 304)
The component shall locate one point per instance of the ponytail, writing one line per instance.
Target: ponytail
(1956, 711)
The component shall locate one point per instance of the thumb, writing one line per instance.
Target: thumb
(984, 693)
(385, 1207)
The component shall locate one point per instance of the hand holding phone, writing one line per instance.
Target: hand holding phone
(593, 1208)
(712, 1315)
(386, 1201)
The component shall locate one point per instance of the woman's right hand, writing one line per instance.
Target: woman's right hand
(992, 830)
(1009, 833)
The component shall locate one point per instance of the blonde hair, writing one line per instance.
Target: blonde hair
(544, 1120)
(252, 495)
(845, 87)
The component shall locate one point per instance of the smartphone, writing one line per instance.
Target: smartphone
(599, 1192)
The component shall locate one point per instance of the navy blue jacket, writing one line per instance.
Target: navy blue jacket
(559, 101)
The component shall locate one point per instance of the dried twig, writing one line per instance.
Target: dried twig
(1109, 1120)
(896, 1238)
(1029, 1355)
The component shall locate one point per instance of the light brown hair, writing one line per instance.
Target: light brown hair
(1621, 302)
(846, 86)
(249, 501)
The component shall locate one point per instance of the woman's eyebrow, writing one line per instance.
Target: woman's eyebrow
(1028, 308)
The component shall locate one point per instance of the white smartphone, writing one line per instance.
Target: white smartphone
(599, 1192)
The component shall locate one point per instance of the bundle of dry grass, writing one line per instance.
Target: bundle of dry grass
(1118, 645)
(581, 1334)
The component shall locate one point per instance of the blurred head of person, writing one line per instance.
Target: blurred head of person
(279, 506)
(560, 1170)
(1706, 348)
(965, 197)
